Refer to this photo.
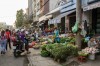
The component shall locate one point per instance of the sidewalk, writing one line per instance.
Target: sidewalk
(35, 59)
(92, 63)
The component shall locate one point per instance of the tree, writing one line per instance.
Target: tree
(19, 18)
(26, 22)
(78, 19)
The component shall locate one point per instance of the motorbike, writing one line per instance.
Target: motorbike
(18, 48)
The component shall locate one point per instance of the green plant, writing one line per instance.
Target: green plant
(43, 47)
(45, 53)
(72, 40)
(81, 53)
(59, 52)
(49, 47)
(62, 40)
(72, 49)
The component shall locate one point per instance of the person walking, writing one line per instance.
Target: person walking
(8, 34)
(26, 41)
(3, 42)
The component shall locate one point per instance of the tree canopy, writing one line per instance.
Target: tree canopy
(19, 18)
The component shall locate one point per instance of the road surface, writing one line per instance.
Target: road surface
(9, 60)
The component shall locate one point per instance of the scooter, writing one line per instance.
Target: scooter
(18, 48)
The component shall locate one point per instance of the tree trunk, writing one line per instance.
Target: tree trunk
(78, 19)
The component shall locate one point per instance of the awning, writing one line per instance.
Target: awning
(67, 13)
(92, 6)
(42, 18)
(45, 17)
(58, 18)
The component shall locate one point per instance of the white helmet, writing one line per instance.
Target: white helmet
(16, 30)
(22, 30)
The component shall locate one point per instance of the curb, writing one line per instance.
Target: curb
(30, 61)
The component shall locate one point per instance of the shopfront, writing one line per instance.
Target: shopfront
(64, 18)
(72, 20)
(43, 21)
(93, 8)
(96, 20)
(70, 16)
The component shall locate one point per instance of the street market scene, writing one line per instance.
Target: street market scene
(50, 33)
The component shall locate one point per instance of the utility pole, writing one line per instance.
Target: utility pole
(78, 19)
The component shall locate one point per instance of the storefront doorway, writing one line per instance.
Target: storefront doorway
(62, 25)
(72, 21)
(96, 20)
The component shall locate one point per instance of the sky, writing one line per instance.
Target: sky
(8, 9)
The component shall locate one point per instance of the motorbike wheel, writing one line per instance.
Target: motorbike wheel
(16, 54)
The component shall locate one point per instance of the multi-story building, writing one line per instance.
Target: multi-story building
(44, 8)
(62, 13)
(48, 10)
(30, 10)
(35, 9)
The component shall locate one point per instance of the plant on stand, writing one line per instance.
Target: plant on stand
(82, 56)
(91, 52)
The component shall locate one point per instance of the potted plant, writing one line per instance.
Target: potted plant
(91, 51)
(82, 56)
(82, 53)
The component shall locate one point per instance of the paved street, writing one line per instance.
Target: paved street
(9, 60)
(35, 59)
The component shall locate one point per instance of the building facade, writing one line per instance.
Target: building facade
(91, 13)
(62, 13)
(59, 13)
(64, 16)
(30, 10)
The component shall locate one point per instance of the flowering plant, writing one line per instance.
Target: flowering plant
(82, 53)
(91, 50)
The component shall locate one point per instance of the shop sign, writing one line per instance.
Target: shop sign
(54, 21)
(92, 6)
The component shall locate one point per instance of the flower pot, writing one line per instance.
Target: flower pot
(92, 56)
(82, 58)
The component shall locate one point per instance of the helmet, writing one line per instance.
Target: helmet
(22, 30)
(16, 30)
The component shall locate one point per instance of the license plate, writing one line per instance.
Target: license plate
(14, 47)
